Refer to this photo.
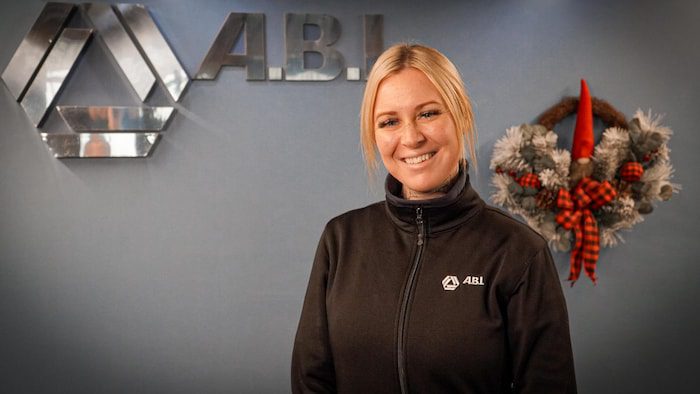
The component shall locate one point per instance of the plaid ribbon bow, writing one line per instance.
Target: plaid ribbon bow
(576, 212)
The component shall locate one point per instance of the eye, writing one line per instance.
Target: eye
(429, 114)
(388, 123)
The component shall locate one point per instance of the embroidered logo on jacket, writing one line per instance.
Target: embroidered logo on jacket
(474, 280)
(450, 283)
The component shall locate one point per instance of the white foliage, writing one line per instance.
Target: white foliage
(555, 242)
(544, 142)
(663, 153)
(652, 123)
(539, 142)
(548, 228)
(609, 237)
(502, 195)
(624, 206)
(611, 151)
(506, 151)
(534, 221)
(659, 172)
(657, 177)
(551, 180)
(562, 159)
(615, 138)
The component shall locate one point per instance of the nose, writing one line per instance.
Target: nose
(412, 136)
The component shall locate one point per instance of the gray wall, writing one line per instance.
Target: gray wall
(185, 272)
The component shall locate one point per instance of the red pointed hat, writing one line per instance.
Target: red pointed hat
(583, 134)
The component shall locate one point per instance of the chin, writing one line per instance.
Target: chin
(422, 187)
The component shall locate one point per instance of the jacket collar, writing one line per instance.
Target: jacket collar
(458, 205)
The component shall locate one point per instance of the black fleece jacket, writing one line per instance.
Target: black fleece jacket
(445, 295)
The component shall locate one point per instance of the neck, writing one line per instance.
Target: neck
(441, 190)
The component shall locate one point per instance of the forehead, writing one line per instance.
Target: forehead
(405, 90)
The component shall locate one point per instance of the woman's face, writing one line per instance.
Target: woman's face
(414, 132)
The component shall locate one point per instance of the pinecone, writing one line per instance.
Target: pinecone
(546, 199)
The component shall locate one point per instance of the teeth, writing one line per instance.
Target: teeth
(419, 159)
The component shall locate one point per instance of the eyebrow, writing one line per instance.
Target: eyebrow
(417, 106)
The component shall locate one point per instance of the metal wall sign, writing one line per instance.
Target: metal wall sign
(49, 52)
(252, 26)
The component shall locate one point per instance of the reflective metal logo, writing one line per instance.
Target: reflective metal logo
(48, 54)
(41, 65)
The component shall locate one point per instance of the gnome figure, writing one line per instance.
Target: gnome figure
(582, 151)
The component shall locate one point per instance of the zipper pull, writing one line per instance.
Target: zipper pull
(419, 222)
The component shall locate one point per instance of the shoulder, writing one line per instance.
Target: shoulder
(509, 244)
(356, 221)
(352, 228)
(499, 224)
(357, 217)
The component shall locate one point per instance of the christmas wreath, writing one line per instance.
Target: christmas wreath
(581, 200)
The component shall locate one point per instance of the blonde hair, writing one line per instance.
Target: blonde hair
(444, 76)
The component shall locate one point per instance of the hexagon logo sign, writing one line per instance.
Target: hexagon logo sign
(48, 54)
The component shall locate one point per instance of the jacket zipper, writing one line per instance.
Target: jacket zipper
(407, 296)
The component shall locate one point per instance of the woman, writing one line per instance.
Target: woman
(430, 291)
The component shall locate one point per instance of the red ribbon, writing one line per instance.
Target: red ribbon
(576, 212)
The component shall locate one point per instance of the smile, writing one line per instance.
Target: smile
(419, 159)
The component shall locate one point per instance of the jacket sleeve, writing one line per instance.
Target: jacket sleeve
(538, 331)
(312, 361)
